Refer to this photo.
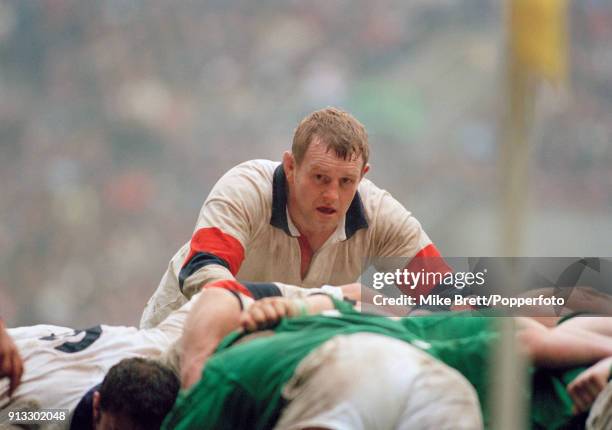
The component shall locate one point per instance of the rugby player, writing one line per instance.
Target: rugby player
(135, 394)
(310, 220)
(62, 364)
(348, 371)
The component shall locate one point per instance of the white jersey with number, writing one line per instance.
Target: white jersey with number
(62, 364)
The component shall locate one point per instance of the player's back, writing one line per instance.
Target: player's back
(61, 363)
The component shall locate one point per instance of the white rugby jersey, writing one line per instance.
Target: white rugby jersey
(62, 364)
(244, 232)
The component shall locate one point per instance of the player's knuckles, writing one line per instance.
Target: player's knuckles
(255, 312)
(593, 390)
(281, 311)
(278, 305)
(253, 315)
(269, 311)
(259, 319)
(266, 310)
(585, 400)
(575, 393)
(250, 324)
(268, 301)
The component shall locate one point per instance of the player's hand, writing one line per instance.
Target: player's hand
(586, 387)
(267, 312)
(11, 365)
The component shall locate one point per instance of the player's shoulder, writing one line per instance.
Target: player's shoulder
(258, 167)
(376, 200)
(248, 186)
(257, 173)
(368, 189)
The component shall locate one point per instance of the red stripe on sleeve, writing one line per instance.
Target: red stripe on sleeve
(231, 285)
(430, 251)
(212, 240)
(427, 260)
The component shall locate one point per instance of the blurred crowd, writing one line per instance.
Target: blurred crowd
(117, 117)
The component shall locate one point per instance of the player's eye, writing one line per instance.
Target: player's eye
(319, 178)
(346, 181)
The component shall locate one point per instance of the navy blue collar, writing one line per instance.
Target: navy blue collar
(355, 216)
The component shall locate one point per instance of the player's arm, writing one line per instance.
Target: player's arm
(561, 347)
(586, 387)
(268, 312)
(224, 229)
(215, 314)
(576, 342)
(400, 242)
(11, 364)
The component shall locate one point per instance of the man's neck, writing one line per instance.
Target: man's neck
(315, 239)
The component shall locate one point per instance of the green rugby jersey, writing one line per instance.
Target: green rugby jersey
(241, 385)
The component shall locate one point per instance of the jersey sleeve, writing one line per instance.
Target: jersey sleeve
(172, 325)
(396, 233)
(249, 292)
(295, 292)
(400, 242)
(228, 219)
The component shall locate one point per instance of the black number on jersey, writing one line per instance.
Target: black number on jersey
(91, 335)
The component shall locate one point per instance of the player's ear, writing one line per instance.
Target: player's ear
(365, 170)
(289, 165)
(95, 410)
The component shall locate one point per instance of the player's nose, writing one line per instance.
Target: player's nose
(331, 195)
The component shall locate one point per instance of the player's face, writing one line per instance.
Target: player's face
(321, 187)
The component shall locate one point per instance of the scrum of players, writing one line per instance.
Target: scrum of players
(256, 322)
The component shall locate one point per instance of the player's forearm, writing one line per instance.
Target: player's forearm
(215, 314)
(205, 276)
(553, 348)
(266, 313)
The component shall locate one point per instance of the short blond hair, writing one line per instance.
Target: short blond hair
(336, 129)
